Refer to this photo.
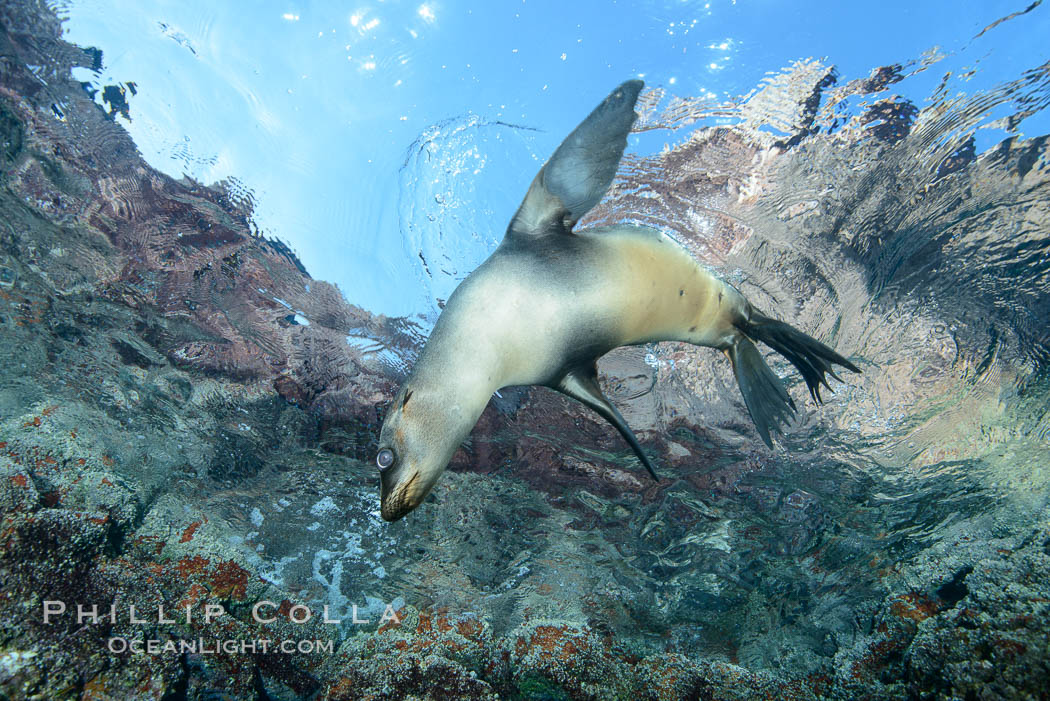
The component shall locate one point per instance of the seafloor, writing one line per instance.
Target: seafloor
(173, 434)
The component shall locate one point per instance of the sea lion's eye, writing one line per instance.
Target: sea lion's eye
(385, 458)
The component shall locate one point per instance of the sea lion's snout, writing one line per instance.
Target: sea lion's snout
(399, 500)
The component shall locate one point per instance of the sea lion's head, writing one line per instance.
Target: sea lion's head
(419, 436)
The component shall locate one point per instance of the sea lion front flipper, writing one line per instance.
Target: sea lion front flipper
(582, 385)
(580, 171)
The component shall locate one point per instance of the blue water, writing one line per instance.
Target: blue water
(311, 107)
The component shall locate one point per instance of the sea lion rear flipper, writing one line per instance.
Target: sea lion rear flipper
(582, 385)
(580, 171)
(767, 401)
(813, 359)
(764, 395)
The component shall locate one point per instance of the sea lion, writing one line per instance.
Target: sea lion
(550, 301)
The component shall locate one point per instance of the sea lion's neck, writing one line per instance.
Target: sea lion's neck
(457, 380)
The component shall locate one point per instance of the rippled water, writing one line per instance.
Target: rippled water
(901, 215)
(870, 220)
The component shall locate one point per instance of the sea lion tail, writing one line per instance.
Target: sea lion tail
(764, 394)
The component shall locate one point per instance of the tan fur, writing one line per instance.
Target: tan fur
(514, 321)
(662, 292)
(550, 301)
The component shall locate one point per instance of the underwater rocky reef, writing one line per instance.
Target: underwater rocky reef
(183, 424)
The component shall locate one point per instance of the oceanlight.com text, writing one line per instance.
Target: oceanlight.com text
(214, 646)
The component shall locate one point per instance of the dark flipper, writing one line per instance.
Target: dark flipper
(581, 169)
(582, 385)
(812, 358)
(766, 399)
